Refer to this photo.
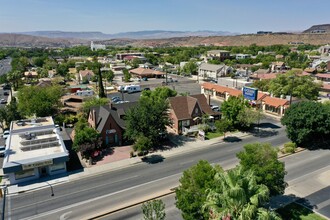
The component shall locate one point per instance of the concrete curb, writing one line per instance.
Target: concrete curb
(130, 206)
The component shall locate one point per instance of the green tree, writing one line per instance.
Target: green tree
(247, 117)
(190, 67)
(232, 108)
(92, 102)
(86, 140)
(108, 75)
(153, 210)
(262, 85)
(127, 75)
(150, 117)
(41, 101)
(262, 159)
(191, 193)
(308, 123)
(15, 78)
(236, 195)
(299, 86)
(223, 126)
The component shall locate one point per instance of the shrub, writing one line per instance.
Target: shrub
(290, 147)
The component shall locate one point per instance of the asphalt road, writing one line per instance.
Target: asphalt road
(5, 66)
(100, 193)
(301, 168)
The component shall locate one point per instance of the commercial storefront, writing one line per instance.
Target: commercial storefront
(34, 149)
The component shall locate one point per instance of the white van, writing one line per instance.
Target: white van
(132, 88)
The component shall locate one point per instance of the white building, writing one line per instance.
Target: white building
(212, 71)
(97, 46)
(241, 56)
(34, 149)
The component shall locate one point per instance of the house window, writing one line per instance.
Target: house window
(186, 123)
(196, 110)
(24, 174)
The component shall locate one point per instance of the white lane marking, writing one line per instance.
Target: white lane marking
(83, 190)
(190, 161)
(95, 199)
(65, 216)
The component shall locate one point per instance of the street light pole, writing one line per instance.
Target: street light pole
(4, 202)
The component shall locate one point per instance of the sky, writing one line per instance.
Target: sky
(115, 16)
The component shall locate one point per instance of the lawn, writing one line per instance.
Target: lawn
(297, 212)
(210, 135)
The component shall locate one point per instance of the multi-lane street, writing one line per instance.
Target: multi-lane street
(306, 178)
(108, 191)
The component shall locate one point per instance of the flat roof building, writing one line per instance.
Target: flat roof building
(34, 149)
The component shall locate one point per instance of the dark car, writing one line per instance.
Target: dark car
(6, 87)
(5, 93)
(145, 78)
(146, 89)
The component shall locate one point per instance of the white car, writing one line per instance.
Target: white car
(5, 134)
(215, 108)
(3, 101)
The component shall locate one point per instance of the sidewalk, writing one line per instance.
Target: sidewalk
(184, 145)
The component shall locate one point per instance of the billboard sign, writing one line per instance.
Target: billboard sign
(250, 93)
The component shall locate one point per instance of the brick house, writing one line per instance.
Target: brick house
(109, 120)
(187, 111)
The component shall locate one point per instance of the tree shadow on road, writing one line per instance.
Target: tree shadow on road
(152, 159)
(280, 201)
(263, 133)
(232, 139)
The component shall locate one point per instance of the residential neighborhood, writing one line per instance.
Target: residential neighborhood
(107, 128)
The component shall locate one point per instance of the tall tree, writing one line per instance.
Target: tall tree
(236, 195)
(41, 101)
(153, 210)
(299, 86)
(262, 159)
(150, 117)
(308, 123)
(191, 193)
(233, 107)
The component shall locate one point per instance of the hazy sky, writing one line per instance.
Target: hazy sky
(113, 16)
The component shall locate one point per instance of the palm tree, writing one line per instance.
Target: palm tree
(14, 77)
(237, 196)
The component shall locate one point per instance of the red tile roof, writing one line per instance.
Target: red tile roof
(323, 75)
(222, 89)
(265, 75)
(275, 102)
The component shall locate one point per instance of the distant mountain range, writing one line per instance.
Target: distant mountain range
(152, 34)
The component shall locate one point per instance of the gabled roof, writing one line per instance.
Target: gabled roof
(116, 111)
(86, 72)
(323, 75)
(203, 104)
(182, 106)
(275, 102)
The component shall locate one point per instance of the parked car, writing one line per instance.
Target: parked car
(145, 78)
(6, 93)
(146, 89)
(5, 134)
(3, 101)
(2, 150)
(115, 98)
(215, 108)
